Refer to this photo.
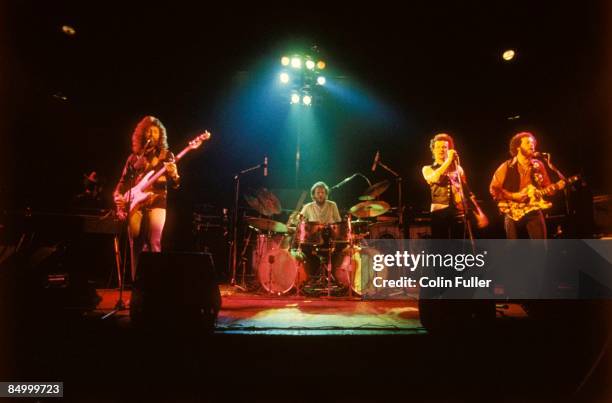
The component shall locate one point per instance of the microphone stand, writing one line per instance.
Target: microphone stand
(466, 221)
(350, 178)
(399, 195)
(553, 168)
(120, 305)
(234, 249)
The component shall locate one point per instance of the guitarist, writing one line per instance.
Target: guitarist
(511, 183)
(149, 152)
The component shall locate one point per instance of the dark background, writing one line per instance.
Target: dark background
(401, 75)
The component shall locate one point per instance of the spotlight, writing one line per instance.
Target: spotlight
(285, 61)
(296, 63)
(508, 55)
(68, 30)
(295, 99)
(321, 80)
(320, 64)
(310, 65)
(284, 78)
(307, 99)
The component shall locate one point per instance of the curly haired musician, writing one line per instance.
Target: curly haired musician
(514, 184)
(149, 152)
(447, 182)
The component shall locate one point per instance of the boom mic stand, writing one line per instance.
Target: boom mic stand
(234, 250)
(346, 180)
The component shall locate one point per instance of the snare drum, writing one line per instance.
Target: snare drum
(281, 270)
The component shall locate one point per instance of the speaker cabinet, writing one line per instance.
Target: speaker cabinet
(175, 289)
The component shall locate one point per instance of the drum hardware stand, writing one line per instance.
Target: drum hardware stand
(399, 196)
(352, 253)
(243, 261)
(234, 248)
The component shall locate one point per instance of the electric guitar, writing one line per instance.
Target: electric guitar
(517, 210)
(139, 194)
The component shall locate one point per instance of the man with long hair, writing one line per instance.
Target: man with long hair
(149, 152)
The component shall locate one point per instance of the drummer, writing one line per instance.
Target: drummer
(320, 209)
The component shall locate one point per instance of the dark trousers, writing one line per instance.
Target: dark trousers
(532, 222)
(447, 223)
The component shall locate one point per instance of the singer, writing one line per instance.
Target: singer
(447, 181)
(149, 152)
(515, 184)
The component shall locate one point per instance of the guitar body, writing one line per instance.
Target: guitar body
(517, 210)
(138, 195)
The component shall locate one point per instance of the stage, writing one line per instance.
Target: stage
(258, 313)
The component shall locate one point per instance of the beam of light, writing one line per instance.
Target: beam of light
(284, 78)
(508, 55)
(310, 65)
(320, 64)
(307, 99)
(285, 61)
(321, 80)
(295, 99)
(296, 63)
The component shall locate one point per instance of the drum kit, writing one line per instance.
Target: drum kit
(283, 253)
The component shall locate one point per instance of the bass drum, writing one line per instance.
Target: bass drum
(280, 270)
(357, 270)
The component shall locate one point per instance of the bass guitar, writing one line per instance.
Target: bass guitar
(139, 194)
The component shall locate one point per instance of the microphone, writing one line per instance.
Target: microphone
(146, 146)
(376, 161)
(538, 154)
(265, 166)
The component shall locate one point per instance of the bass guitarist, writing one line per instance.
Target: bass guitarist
(149, 152)
(519, 185)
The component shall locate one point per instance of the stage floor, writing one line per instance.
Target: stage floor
(253, 313)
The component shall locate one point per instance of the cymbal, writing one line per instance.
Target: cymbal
(270, 203)
(369, 209)
(375, 190)
(254, 203)
(264, 202)
(265, 224)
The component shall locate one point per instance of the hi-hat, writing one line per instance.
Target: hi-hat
(375, 190)
(369, 209)
(265, 224)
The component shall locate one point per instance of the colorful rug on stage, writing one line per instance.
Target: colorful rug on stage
(243, 312)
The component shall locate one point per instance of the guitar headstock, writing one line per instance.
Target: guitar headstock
(198, 140)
